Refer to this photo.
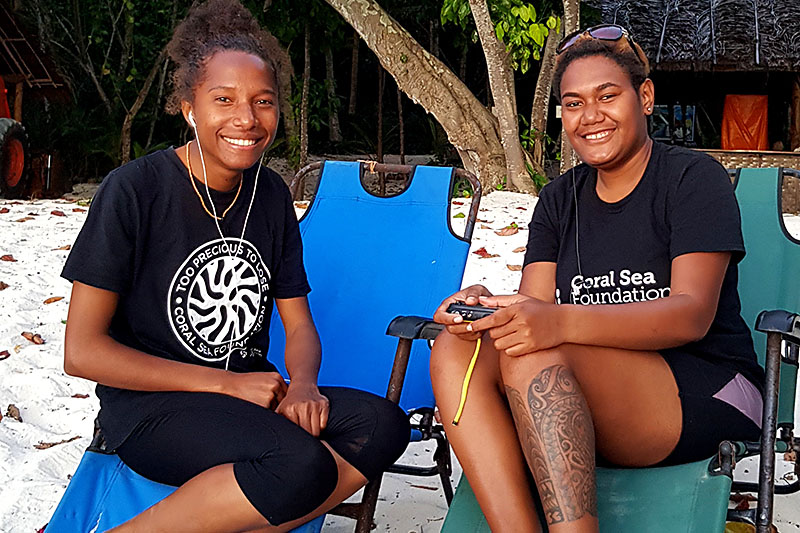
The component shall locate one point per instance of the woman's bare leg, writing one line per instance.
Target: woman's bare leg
(485, 440)
(213, 501)
(571, 400)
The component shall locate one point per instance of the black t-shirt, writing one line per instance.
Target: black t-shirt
(185, 293)
(684, 203)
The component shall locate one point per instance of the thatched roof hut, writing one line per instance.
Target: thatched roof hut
(735, 35)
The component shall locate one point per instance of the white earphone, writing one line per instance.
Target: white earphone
(191, 119)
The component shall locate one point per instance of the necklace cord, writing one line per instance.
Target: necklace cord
(202, 202)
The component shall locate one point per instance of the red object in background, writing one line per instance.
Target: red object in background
(744, 122)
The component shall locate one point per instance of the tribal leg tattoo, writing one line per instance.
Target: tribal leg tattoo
(557, 436)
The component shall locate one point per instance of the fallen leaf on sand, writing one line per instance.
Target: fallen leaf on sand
(519, 249)
(301, 205)
(32, 214)
(78, 210)
(24, 219)
(53, 299)
(514, 268)
(45, 445)
(80, 395)
(15, 203)
(84, 203)
(522, 208)
(458, 203)
(459, 215)
(57, 213)
(5, 354)
(484, 226)
(8, 257)
(17, 348)
(483, 253)
(65, 247)
(35, 338)
(426, 487)
(3, 286)
(507, 231)
(4, 210)
(13, 412)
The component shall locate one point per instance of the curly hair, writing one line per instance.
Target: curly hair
(211, 27)
(627, 54)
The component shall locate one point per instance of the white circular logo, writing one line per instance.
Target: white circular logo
(216, 299)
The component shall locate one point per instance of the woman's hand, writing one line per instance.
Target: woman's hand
(305, 406)
(455, 323)
(521, 325)
(266, 389)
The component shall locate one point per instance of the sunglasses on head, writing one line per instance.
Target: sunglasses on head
(603, 32)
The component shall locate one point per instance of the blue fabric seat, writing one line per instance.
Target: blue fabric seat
(104, 493)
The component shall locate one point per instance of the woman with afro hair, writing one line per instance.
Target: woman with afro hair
(174, 277)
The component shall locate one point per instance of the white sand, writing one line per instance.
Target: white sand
(33, 480)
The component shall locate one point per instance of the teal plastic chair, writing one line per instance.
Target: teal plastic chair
(693, 498)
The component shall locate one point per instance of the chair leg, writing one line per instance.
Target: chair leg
(444, 464)
(766, 476)
(365, 522)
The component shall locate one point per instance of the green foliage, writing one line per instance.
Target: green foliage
(516, 23)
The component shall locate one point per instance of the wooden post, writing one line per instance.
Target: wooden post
(794, 120)
(18, 102)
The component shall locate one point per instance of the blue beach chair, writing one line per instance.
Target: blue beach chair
(369, 258)
(693, 498)
(104, 493)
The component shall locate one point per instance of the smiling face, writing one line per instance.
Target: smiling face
(235, 106)
(604, 117)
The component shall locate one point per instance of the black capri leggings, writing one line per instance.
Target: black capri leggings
(283, 471)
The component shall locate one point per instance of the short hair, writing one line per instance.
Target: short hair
(627, 54)
(211, 27)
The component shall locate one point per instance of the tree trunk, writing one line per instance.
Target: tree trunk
(127, 124)
(570, 23)
(351, 107)
(381, 83)
(541, 100)
(402, 126)
(501, 81)
(159, 95)
(794, 126)
(462, 63)
(433, 36)
(470, 127)
(334, 131)
(285, 73)
(304, 100)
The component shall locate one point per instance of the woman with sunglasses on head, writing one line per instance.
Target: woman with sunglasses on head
(625, 343)
(175, 273)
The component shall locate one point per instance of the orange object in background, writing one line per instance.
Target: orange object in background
(744, 122)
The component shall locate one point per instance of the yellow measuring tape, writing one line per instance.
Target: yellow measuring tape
(465, 384)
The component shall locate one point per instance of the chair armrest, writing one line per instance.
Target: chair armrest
(414, 327)
(779, 321)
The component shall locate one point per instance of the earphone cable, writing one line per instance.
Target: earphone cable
(219, 228)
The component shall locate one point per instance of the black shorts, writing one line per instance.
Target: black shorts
(283, 471)
(708, 420)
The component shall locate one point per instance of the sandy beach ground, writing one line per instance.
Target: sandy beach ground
(47, 415)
